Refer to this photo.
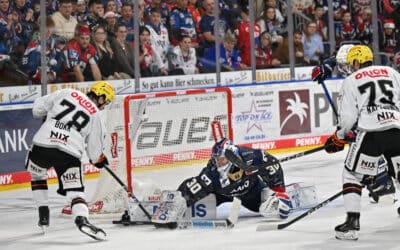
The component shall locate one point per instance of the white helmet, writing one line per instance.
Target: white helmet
(341, 58)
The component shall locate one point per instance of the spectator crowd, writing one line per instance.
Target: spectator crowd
(90, 40)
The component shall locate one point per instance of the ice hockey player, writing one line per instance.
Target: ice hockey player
(379, 185)
(70, 120)
(262, 191)
(369, 98)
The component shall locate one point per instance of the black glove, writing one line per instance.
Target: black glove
(321, 72)
(101, 162)
(334, 144)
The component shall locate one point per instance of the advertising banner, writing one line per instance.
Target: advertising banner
(17, 128)
(29, 93)
(276, 116)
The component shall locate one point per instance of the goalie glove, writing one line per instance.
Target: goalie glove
(334, 144)
(101, 162)
(277, 206)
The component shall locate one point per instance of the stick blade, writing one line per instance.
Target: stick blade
(267, 227)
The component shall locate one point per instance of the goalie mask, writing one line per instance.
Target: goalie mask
(225, 167)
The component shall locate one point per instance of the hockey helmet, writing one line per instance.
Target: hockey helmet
(219, 148)
(100, 88)
(233, 172)
(341, 58)
(361, 53)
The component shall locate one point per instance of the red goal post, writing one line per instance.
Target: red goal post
(157, 130)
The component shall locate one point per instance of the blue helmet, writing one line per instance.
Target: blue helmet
(218, 150)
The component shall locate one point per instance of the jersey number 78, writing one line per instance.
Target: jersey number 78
(79, 119)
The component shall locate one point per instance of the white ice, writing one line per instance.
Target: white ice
(380, 223)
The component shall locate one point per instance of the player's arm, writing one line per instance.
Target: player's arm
(272, 174)
(196, 188)
(43, 104)
(95, 142)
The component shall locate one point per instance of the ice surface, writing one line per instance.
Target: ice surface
(380, 224)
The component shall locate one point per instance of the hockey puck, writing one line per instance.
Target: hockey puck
(398, 210)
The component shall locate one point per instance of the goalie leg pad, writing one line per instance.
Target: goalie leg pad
(303, 195)
(136, 213)
(171, 209)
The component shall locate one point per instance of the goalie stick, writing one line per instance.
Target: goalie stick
(198, 224)
(238, 162)
(269, 227)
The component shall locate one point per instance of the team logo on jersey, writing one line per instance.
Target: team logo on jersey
(294, 111)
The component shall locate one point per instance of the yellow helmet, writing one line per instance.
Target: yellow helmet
(361, 53)
(103, 88)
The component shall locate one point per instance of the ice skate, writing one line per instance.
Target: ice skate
(92, 231)
(349, 229)
(44, 218)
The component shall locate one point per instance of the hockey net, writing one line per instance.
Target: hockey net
(158, 130)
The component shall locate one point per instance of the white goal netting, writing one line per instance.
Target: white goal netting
(158, 130)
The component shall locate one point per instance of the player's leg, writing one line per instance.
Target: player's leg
(352, 189)
(392, 156)
(70, 180)
(362, 160)
(37, 166)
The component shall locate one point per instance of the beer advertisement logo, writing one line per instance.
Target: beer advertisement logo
(294, 111)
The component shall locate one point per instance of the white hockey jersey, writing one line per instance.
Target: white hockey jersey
(159, 42)
(72, 120)
(370, 98)
(185, 61)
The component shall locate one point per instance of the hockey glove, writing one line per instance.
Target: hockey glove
(284, 205)
(320, 73)
(380, 185)
(334, 144)
(101, 162)
(278, 206)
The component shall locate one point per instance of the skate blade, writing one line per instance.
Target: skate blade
(350, 235)
(43, 228)
(94, 234)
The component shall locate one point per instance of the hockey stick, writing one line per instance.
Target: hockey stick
(328, 96)
(125, 187)
(238, 162)
(269, 227)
